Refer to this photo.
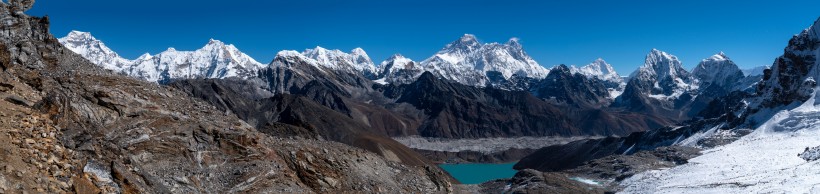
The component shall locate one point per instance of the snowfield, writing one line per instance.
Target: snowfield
(765, 161)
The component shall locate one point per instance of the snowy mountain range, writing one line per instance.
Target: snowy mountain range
(466, 61)
(215, 60)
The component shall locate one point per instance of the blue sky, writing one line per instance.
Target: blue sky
(752, 33)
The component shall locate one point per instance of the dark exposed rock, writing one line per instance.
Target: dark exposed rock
(620, 167)
(5, 87)
(306, 118)
(574, 154)
(532, 181)
(459, 111)
(562, 86)
(22, 5)
(810, 154)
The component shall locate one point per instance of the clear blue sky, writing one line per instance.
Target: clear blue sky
(752, 32)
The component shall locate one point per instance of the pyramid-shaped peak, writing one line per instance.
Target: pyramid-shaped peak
(80, 34)
(514, 41)
(718, 57)
(599, 61)
(215, 42)
(468, 38)
(396, 56)
(656, 56)
(358, 51)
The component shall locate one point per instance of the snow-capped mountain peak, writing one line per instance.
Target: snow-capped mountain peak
(717, 70)
(396, 62)
(94, 50)
(467, 40)
(80, 36)
(145, 56)
(458, 50)
(719, 56)
(467, 61)
(398, 69)
(599, 69)
(661, 66)
(514, 42)
(215, 60)
(663, 76)
(214, 41)
(356, 62)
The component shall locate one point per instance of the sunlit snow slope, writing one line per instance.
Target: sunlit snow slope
(765, 161)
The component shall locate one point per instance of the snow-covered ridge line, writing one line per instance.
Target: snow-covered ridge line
(467, 61)
(214, 60)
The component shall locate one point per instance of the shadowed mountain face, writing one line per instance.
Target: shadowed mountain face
(302, 116)
(564, 87)
(457, 111)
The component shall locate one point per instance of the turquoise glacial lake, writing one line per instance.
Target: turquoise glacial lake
(479, 173)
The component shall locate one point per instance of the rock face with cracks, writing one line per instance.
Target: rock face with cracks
(67, 125)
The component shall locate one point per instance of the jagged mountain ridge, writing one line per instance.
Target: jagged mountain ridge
(215, 60)
(349, 75)
(662, 86)
(468, 61)
(356, 62)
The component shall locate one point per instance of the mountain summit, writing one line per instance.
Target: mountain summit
(717, 70)
(603, 71)
(94, 50)
(663, 76)
(468, 61)
(357, 61)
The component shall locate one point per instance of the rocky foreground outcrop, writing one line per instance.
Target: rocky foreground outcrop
(68, 126)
